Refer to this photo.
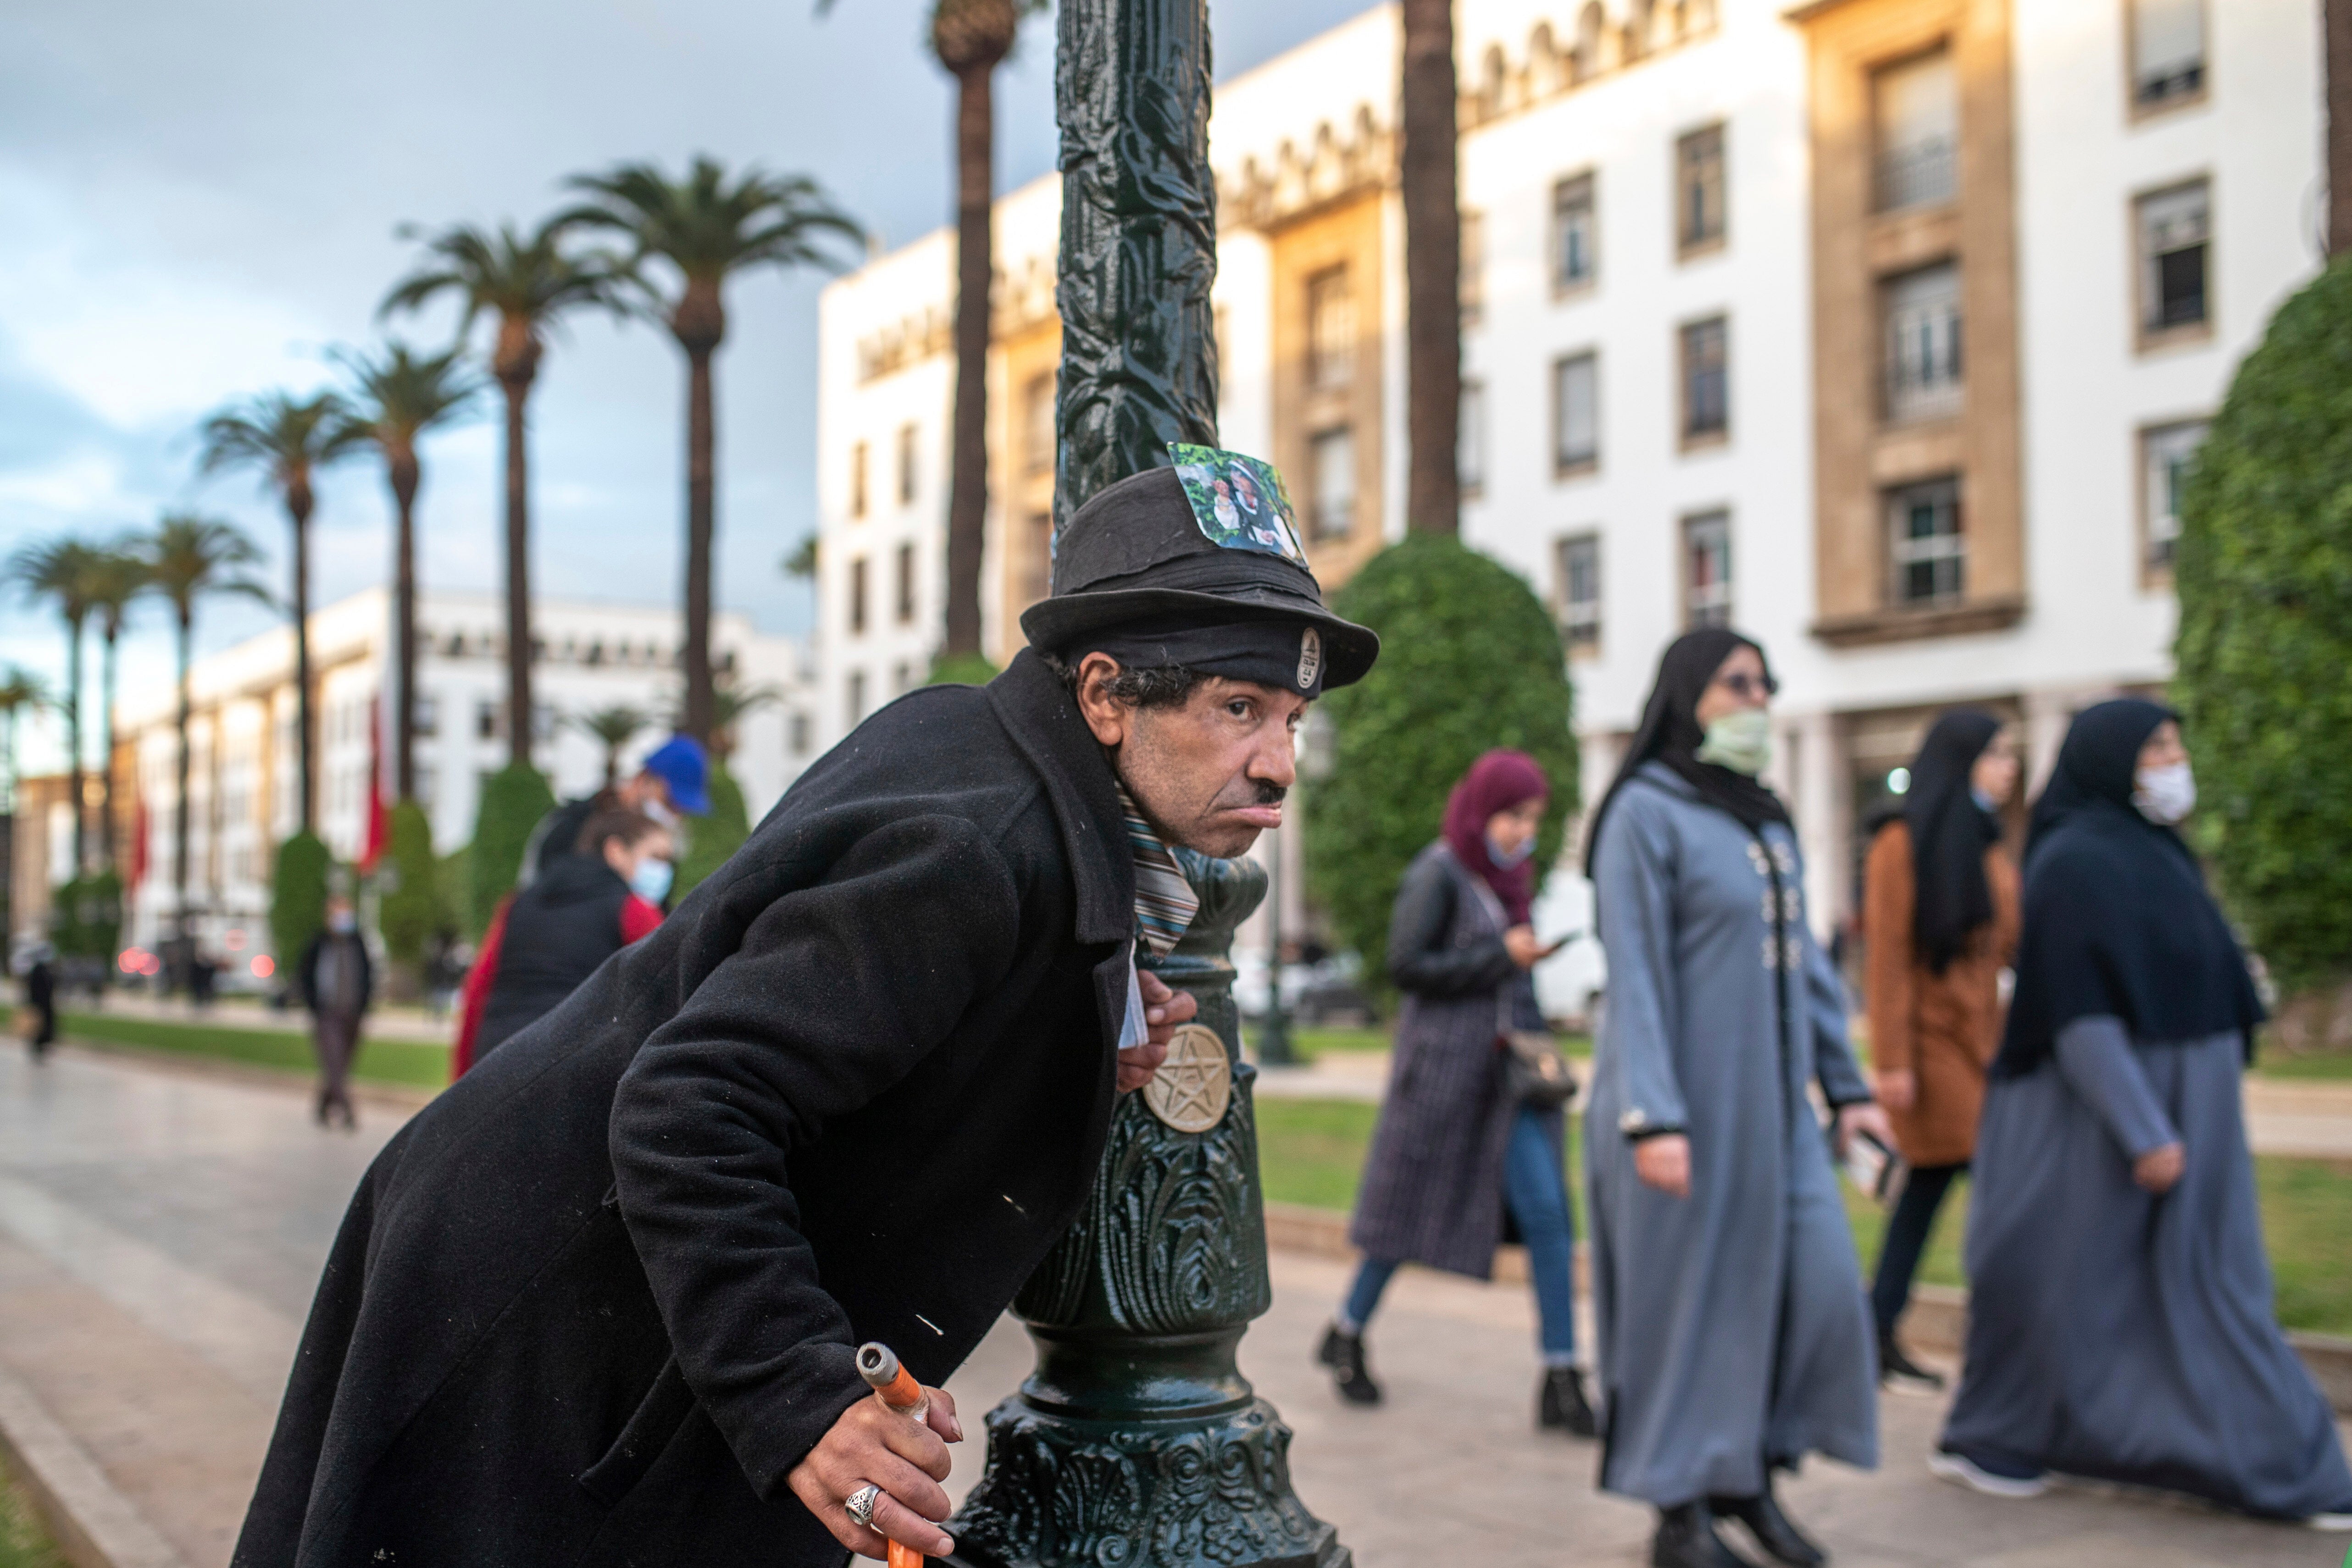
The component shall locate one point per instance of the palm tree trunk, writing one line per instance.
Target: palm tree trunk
(519, 642)
(1433, 270)
(180, 791)
(968, 480)
(701, 705)
(106, 830)
(405, 479)
(74, 785)
(298, 507)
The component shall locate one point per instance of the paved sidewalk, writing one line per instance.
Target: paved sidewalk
(161, 1232)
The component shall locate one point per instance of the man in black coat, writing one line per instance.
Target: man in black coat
(598, 1302)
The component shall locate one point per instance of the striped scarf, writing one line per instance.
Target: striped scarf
(1164, 902)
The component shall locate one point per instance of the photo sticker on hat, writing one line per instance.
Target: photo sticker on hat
(1310, 657)
(1238, 501)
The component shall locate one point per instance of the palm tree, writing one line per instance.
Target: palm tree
(1431, 188)
(707, 228)
(290, 440)
(190, 558)
(615, 727)
(118, 576)
(19, 690)
(528, 282)
(728, 706)
(62, 570)
(399, 397)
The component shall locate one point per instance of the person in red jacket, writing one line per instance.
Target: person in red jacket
(583, 908)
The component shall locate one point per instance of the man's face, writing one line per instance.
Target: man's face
(1210, 775)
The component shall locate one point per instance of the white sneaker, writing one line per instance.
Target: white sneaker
(1960, 1467)
(2329, 1521)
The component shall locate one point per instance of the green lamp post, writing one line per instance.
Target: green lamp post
(1137, 1441)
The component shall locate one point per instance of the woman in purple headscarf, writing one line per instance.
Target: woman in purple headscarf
(1456, 1150)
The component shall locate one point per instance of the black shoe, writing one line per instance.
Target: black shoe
(1771, 1528)
(1687, 1538)
(1344, 1354)
(1561, 1403)
(1897, 1370)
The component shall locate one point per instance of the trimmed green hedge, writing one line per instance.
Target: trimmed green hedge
(298, 899)
(1469, 661)
(2264, 651)
(712, 839)
(411, 910)
(513, 801)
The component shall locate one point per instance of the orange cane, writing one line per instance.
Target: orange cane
(897, 1389)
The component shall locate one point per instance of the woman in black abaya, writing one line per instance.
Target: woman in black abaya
(2120, 1325)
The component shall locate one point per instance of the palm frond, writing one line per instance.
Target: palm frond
(707, 225)
(284, 436)
(398, 393)
(191, 556)
(532, 277)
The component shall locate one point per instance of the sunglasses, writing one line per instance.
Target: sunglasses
(1747, 687)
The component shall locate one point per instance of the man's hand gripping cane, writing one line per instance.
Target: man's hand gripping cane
(893, 1446)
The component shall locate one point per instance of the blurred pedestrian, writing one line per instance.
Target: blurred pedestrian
(584, 907)
(674, 778)
(2120, 1319)
(204, 978)
(1733, 1333)
(1939, 908)
(337, 981)
(1458, 1148)
(37, 1018)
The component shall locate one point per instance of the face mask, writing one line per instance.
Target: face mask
(1741, 741)
(651, 880)
(342, 924)
(1505, 859)
(2165, 795)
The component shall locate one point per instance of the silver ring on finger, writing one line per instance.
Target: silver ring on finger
(859, 1504)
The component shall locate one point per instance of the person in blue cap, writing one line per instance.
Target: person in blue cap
(673, 780)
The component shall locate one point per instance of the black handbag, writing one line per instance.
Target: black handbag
(1534, 1070)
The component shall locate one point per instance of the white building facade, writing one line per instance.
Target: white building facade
(1883, 329)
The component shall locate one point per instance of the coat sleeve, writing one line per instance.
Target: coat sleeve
(2095, 1056)
(1834, 1066)
(1419, 959)
(1889, 893)
(835, 992)
(1633, 884)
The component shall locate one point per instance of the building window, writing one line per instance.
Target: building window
(1331, 331)
(1706, 381)
(425, 779)
(906, 584)
(856, 696)
(1580, 593)
(1037, 561)
(1471, 280)
(1575, 234)
(1915, 116)
(1331, 457)
(1037, 424)
(1706, 570)
(1922, 312)
(1700, 221)
(1576, 414)
(858, 595)
(486, 721)
(2165, 453)
(858, 480)
(907, 434)
(2175, 226)
(2168, 51)
(800, 734)
(1470, 438)
(1925, 548)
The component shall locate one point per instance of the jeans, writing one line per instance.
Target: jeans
(1907, 1238)
(1536, 1191)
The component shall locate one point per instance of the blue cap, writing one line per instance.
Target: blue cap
(678, 763)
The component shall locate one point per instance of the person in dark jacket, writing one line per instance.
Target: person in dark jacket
(39, 1024)
(337, 981)
(598, 1302)
(1454, 1151)
(585, 907)
(674, 779)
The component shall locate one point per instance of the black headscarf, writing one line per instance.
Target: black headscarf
(1670, 732)
(2117, 918)
(1949, 834)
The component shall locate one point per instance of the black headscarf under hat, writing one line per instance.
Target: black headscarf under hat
(1670, 731)
(2117, 918)
(1949, 834)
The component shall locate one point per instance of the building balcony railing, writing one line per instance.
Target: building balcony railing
(1921, 174)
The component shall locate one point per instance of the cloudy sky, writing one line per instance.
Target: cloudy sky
(197, 202)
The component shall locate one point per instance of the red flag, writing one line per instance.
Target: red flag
(379, 823)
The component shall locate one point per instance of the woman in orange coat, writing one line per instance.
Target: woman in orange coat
(1939, 914)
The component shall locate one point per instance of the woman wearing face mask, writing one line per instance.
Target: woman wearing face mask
(1455, 1149)
(584, 908)
(1733, 1335)
(2120, 1323)
(1939, 908)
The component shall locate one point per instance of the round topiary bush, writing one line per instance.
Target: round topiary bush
(298, 899)
(2264, 651)
(1469, 661)
(411, 909)
(711, 839)
(513, 801)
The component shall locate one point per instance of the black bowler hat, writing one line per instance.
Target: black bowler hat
(1168, 557)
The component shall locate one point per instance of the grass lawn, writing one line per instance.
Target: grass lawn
(2336, 1065)
(410, 1063)
(1312, 1152)
(23, 1543)
(1311, 1042)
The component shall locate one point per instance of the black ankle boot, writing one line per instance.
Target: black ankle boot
(1561, 1403)
(1897, 1370)
(1344, 1354)
(1687, 1538)
(1773, 1530)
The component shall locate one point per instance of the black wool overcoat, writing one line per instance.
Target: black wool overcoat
(594, 1303)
